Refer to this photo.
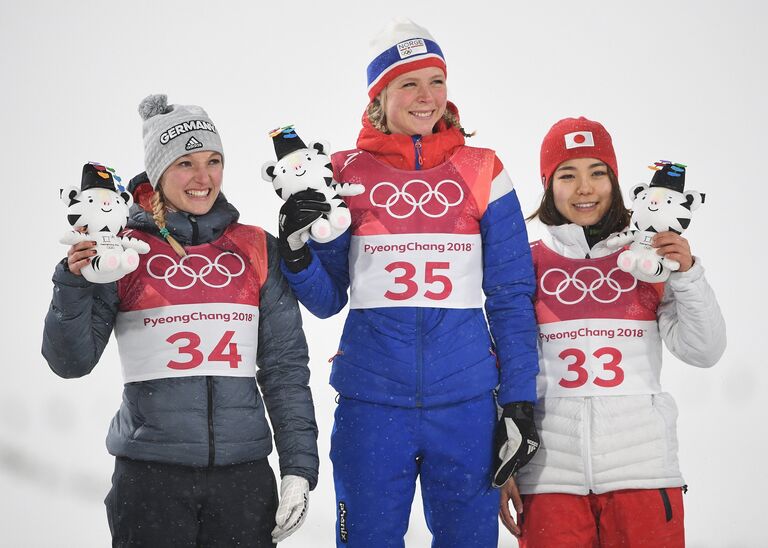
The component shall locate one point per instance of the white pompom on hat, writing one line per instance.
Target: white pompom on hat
(401, 47)
(171, 131)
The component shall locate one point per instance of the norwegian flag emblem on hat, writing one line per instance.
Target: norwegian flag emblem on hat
(414, 46)
(579, 139)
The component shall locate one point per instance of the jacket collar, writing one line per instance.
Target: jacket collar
(181, 224)
(569, 241)
(398, 150)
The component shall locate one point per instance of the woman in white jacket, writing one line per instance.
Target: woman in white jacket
(606, 473)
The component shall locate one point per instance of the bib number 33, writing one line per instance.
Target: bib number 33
(406, 276)
(610, 358)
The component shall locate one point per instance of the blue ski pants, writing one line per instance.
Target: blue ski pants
(378, 451)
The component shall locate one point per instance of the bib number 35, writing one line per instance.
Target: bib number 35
(440, 285)
(610, 358)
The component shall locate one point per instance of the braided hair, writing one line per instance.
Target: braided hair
(158, 214)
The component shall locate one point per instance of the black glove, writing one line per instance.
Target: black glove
(298, 213)
(516, 441)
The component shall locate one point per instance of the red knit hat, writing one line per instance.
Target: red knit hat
(572, 138)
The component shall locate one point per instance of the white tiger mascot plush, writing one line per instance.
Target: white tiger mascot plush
(102, 209)
(662, 206)
(300, 167)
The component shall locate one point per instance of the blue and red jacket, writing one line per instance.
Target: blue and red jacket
(419, 356)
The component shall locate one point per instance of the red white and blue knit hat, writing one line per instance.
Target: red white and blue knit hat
(401, 47)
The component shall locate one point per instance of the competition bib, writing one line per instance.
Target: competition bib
(431, 270)
(599, 358)
(598, 333)
(186, 340)
(416, 234)
(193, 315)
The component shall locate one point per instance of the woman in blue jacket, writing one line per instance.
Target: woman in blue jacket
(438, 226)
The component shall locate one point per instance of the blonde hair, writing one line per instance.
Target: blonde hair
(158, 214)
(378, 118)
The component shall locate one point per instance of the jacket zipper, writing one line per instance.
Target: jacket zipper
(211, 443)
(418, 158)
(587, 442)
(195, 235)
(419, 360)
(418, 161)
(208, 380)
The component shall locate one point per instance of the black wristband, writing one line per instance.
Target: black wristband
(518, 410)
(298, 260)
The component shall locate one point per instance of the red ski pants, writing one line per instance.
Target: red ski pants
(627, 518)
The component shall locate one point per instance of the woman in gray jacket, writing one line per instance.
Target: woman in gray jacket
(206, 305)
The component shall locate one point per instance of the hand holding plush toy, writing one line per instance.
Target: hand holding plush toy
(101, 208)
(300, 168)
(662, 206)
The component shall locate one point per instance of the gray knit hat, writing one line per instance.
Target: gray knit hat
(171, 131)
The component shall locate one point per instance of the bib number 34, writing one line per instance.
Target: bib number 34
(440, 285)
(224, 351)
(610, 358)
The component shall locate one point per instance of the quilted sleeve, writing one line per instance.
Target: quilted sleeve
(690, 320)
(283, 374)
(509, 284)
(79, 322)
(322, 286)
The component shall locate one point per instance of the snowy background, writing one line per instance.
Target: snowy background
(680, 81)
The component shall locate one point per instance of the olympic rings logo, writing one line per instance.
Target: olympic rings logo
(183, 268)
(583, 288)
(416, 203)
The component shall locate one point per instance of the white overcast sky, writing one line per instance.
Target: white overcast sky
(681, 81)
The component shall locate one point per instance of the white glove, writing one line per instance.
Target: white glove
(516, 441)
(294, 502)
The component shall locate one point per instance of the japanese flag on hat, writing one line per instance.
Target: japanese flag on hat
(572, 138)
(579, 139)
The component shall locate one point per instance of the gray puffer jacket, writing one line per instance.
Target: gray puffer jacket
(200, 420)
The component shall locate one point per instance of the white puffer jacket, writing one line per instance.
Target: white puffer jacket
(606, 443)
